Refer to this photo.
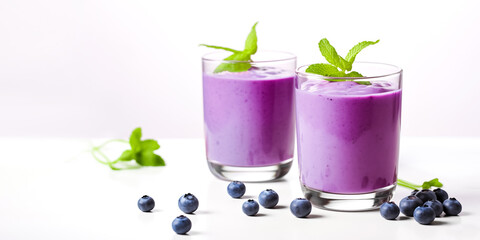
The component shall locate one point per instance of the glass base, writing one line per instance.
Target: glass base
(250, 174)
(349, 202)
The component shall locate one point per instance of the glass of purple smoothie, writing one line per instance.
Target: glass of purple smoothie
(249, 116)
(348, 136)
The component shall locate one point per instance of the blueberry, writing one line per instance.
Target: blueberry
(188, 203)
(181, 224)
(426, 195)
(436, 206)
(268, 198)
(408, 204)
(250, 207)
(414, 192)
(424, 215)
(389, 210)
(146, 203)
(300, 207)
(452, 207)
(236, 189)
(441, 194)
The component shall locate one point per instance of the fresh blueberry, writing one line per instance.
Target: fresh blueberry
(181, 224)
(236, 189)
(426, 195)
(408, 204)
(452, 207)
(250, 207)
(188, 203)
(414, 192)
(441, 194)
(268, 198)
(146, 203)
(300, 207)
(389, 210)
(424, 215)
(436, 206)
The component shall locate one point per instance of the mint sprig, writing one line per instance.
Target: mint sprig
(426, 185)
(243, 57)
(339, 66)
(142, 151)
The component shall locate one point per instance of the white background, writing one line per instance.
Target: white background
(100, 68)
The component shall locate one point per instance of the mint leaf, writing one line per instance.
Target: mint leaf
(331, 55)
(221, 48)
(251, 42)
(352, 54)
(127, 155)
(142, 151)
(148, 158)
(241, 66)
(426, 185)
(328, 70)
(325, 69)
(243, 57)
(432, 183)
(336, 61)
(135, 140)
(149, 144)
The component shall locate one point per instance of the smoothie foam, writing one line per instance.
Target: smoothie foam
(348, 135)
(249, 117)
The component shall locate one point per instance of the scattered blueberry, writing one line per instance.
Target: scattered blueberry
(408, 204)
(424, 215)
(436, 206)
(441, 194)
(146, 203)
(452, 207)
(250, 207)
(236, 189)
(181, 224)
(268, 198)
(188, 203)
(426, 195)
(389, 210)
(300, 207)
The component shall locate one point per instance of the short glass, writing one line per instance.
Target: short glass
(249, 116)
(348, 136)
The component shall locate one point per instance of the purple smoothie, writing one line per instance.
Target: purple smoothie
(348, 136)
(249, 118)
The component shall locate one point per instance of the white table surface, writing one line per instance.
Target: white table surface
(53, 189)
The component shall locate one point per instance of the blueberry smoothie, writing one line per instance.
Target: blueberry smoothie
(348, 135)
(248, 116)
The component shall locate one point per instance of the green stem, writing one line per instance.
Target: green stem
(406, 184)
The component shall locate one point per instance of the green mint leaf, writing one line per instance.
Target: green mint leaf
(221, 48)
(141, 152)
(241, 66)
(148, 158)
(352, 54)
(243, 57)
(149, 144)
(251, 42)
(328, 70)
(135, 142)
(324, 69)
(127, 155)
(432, 183)
(331, 55)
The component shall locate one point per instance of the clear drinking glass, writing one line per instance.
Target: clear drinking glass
(348, 136)
(249, 116)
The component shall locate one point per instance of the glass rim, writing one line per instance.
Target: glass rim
(300, 71)
(289, 56)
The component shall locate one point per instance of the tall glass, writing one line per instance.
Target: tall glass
(249, 117)
(348, 136)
